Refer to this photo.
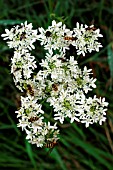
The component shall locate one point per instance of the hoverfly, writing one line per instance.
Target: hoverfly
(69, 38)
(33, 119)
(51, 145)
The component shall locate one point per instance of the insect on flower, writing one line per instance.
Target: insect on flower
(30, 90)
(51, 144)
(62, 59)
(33, 119)
(22, 36)
(69, 38)
(55, 87)
(48, 34)
(90, 28)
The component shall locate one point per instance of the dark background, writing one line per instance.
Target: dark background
(79, 148)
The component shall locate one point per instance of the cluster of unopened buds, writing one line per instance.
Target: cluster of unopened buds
(60, 82)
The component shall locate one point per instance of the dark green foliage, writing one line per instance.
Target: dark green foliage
(79, 148)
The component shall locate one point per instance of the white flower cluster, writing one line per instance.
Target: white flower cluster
(57, 36)
(21, 37)
(61, 82)
(86, 39)
(65, 86)
(31, 120)
(22, 66)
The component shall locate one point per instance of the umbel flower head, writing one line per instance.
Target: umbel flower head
(61, 82)
(94, 111)
(21, 36)
(87, 39)
(53, 37)
(31, 119)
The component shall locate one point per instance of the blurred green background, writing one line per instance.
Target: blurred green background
(79, 148)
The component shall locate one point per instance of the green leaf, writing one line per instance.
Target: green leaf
(110, 61)
(10, 22)
(110, 58)
(30, 153)
(58, 158)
